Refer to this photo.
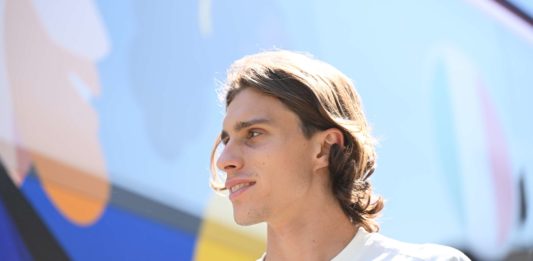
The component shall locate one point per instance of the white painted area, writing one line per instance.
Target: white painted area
(8, 154)
(205, 23)
(80, 30)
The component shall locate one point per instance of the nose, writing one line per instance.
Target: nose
(230, 159)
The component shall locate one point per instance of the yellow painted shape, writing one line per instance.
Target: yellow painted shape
(220, 242)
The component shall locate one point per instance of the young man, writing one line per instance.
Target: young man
(297, 155)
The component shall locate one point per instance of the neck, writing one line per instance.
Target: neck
(319, 230)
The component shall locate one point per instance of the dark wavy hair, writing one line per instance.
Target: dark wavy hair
(323, 98)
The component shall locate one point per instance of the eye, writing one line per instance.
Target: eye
(253, 133)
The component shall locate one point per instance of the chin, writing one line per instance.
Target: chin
(246, 219)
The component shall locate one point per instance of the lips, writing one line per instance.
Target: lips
(238, 187)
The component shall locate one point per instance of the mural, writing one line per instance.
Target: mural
(108, 111)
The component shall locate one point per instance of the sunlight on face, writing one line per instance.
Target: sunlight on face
(266, 157)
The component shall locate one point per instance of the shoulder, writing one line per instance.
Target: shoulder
(405, 251)
(371, 246)
(439, 252)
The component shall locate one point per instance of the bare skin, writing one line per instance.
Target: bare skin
(278, 176)
(319, 234)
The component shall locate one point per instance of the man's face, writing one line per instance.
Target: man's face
(267, 159)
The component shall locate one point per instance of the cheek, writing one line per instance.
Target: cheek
(298, 156)
(296, 167)
(282, 168)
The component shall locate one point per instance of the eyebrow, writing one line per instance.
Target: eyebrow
(242, 125)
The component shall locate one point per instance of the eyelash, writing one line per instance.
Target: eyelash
(250, 134)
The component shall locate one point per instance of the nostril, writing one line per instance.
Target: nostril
(229, 167)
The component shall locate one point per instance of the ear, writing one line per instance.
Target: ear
(324, 141)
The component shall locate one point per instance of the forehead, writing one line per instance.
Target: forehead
(250, 104)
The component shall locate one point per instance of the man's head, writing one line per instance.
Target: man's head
(290, 119)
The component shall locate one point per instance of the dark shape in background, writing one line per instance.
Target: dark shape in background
(38, 240)
(522, 199)
(516, 10)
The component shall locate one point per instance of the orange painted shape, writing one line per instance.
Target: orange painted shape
(78, 195)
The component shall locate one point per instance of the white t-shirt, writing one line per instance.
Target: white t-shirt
(374, 246)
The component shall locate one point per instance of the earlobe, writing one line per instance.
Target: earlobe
(322, 158)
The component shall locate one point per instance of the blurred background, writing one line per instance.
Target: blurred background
(108, 112)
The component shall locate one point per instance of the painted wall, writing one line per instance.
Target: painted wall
(108, 112)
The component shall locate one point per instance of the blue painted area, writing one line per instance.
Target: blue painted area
(12, 247)
(155, 88)
(117, 235)
(158, 109)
